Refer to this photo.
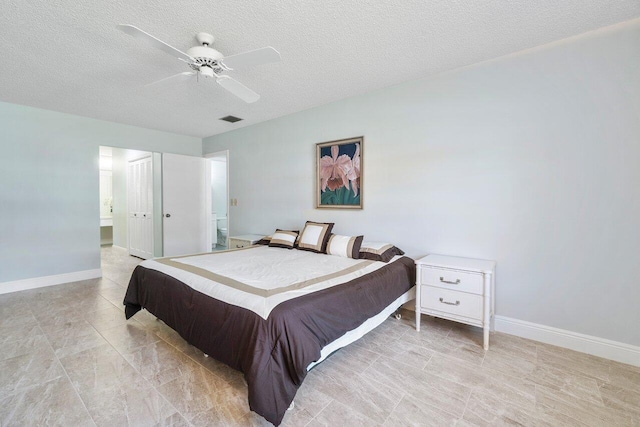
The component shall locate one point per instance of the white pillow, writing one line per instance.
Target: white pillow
(345, 246)
(283, 239)
(314, 236)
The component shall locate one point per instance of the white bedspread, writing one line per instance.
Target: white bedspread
(259, 278)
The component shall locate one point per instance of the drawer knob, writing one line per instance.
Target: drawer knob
(449, 303)
(457, 282)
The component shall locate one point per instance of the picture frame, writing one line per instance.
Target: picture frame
(339, 174)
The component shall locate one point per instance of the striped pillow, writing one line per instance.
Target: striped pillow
(379, 251)
(283, 239)
(314, 236)
(264, 241)
(345, 246)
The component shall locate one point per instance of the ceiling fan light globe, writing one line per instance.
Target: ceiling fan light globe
(206, 72)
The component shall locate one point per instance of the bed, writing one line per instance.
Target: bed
(268, 312)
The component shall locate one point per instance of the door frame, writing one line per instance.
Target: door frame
(137, 155)
(207, 190)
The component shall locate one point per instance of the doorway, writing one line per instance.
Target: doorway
(218, 199)
(172, 210)
(115, 223)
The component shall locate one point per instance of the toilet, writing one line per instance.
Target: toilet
(222, 231)
(214, 230)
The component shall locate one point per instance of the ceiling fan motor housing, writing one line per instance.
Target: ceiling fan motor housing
(205, 56)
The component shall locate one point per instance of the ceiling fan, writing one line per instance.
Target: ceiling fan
(207, 62)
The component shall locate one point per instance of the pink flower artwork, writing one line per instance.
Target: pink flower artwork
(332, 170)
(354, 173)
(339, 174)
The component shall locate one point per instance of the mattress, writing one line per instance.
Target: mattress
(268, 312)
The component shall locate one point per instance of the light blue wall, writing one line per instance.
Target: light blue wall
(530, 160)
(49, 210)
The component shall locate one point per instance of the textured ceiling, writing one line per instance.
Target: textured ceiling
(68, 56)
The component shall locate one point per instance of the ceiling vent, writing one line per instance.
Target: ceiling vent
(231, 119)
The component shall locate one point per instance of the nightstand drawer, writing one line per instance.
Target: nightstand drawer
(452, 302)
(244, 240)
(237, 243)
(452, 279)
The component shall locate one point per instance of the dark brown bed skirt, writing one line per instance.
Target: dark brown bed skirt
(274, 353)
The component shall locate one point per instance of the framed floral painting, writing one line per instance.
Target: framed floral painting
(339, 174)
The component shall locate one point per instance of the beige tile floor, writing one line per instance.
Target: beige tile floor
(68, 357)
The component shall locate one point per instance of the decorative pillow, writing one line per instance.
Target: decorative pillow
(314, 236)
(346, 246)
(283, 239)
(377, 251)
(264, 241)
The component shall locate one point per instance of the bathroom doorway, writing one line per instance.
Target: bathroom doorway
(218, 193)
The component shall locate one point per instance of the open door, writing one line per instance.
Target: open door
(184, 216)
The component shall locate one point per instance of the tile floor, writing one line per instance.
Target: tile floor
(68, 357)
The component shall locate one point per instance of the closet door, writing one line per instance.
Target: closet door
(140, 207)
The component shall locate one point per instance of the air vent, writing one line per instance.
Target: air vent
(231, 119)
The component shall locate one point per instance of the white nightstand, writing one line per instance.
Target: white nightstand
(459, 289)
(244, 240)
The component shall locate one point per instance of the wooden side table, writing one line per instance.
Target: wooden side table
(244, 240)
(459, 289)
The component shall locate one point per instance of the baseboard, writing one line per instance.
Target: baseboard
(620, 352)
(40, 282)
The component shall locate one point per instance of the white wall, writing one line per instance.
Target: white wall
(49, 193)
(531, 160)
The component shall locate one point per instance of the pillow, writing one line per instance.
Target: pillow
(346, 246)
(264, 241)
(377, 251)
(314, 236)
(283, 239)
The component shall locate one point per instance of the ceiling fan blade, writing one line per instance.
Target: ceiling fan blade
(251, 58)
(238, 89)
(157, 43)
(176, 77)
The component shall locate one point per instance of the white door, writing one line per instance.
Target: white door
(140, 207)
(184, 221)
